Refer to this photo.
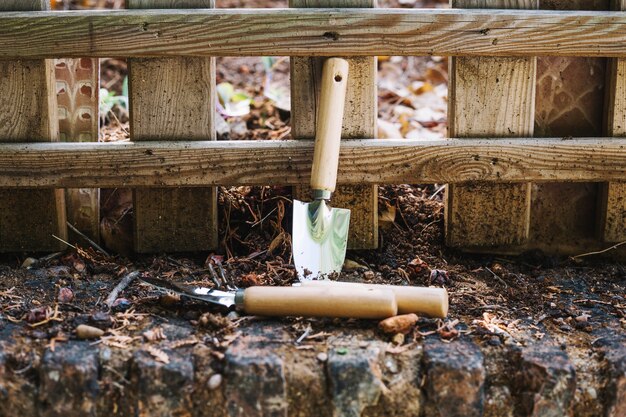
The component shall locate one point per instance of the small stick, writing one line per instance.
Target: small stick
(617, 245)
(120, 287)
(91, 242)
(67, 243)
(497, 277)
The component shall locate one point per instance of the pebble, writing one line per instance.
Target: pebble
(566, 328)
(592, 393)
(214, 381)
(88, 332)
(369, 275)
(66, 295)
(233, 315)
(121, 304)
(397, 339)
(494, 341)
(29, 262)
(583, 318)
(322, 357)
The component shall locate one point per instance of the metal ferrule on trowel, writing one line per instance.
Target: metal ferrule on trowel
(320, 233)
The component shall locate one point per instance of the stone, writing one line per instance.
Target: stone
(255, 384)
(161, 389)
(545, 383)
(69, 381)
(214, 381)
(354, 380)
(84, 331)
(455, 378)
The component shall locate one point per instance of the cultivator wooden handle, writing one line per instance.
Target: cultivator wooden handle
(329, 122)
(432, 302)
(319, 301)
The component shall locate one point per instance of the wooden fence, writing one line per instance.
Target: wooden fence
(174, 162)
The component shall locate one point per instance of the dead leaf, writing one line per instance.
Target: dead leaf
(387, 216)
(387, 130)
(276, 242)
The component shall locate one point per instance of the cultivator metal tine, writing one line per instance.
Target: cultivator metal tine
(227, 281)
(215, 278)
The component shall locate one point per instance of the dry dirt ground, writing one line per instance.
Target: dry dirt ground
(528, 335)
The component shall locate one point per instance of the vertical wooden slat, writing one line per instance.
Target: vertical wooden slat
(613, 194)
(77, 88)
(173, 98)
(29, 218)
(490, 97)
(359, 122)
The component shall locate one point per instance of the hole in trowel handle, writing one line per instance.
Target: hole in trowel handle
(338, 78)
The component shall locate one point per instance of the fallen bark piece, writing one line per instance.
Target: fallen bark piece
(398, 324)
(84, 331)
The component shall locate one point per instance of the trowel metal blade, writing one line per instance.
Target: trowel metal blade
(320, 238)
(207, 294)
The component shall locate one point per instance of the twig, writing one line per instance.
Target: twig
(497, 277)
(617, 245)
(304, 335)
(440, 189)
(120, 287)
(91, 242)
(67, 243)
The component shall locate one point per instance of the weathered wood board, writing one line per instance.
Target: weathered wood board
(359, 122)
(612, 209)
(29, 218)
(490, 97)
(288, 162)
(284, 32)
(173, 98)
(77, 89)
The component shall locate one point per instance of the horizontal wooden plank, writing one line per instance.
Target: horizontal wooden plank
(311, 32)
(367, 161)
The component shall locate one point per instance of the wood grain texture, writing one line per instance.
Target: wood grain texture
(173, 98)
(367, 161)
(311, 32)
(612, 209)
(320, 301)
(77, 89)
(29, 218)
(490, 97)
(359, 122)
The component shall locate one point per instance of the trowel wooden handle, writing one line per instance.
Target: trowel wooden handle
(432, 302)
(329, 122)
(320, 301)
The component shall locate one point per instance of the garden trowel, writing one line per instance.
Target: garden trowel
(320, 233)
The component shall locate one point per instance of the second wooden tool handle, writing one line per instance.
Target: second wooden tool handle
(320, 301)
(432, 302)
(329, 123)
